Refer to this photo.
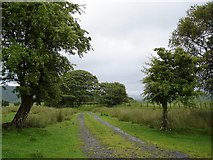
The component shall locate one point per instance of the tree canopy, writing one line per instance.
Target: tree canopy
(170, 77)
(112, 93)
(194, 33)
(80, 85)
(33, 36)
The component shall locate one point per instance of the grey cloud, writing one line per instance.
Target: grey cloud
(124, 35)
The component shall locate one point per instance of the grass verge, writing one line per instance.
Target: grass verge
(196, 146)
(60, 140)
(181, 120)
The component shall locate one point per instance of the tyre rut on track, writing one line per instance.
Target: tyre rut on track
(94, 149)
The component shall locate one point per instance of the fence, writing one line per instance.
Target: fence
(172, 105)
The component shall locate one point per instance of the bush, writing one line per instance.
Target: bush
(17, 103)
(5, 103)
(67, 100)
(60, 116)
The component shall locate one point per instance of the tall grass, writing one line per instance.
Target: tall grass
(135, 115)
(41, 116)
(180, 119)
(9, 109)
(190, 118)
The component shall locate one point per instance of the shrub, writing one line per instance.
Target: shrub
(60, 116)
(5, 103)
(17, 103)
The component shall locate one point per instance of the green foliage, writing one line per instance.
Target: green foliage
(171, 76)
(194, 33)
(33, 36)
(17, 103)
(5, 103)
(78, 86)
(112, 93)
(67, 100)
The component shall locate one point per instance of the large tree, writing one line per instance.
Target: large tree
(112, 93)
(170, 77)
(79, 86)
(33, 35)
(194, 33)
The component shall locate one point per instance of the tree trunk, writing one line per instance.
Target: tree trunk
(23, 111)
(164, 117)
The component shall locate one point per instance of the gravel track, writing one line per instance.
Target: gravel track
(94, 149)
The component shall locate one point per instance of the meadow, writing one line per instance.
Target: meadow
(182, 119)
(47, 133)
(53, 132)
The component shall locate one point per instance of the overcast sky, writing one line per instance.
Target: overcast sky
(124, 34)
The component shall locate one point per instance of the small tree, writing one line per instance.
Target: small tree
(171, 76)
(112, 93)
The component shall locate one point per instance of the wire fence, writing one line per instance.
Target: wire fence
(171, 105)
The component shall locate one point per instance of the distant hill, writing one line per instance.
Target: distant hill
(137, 97)
(8, 95)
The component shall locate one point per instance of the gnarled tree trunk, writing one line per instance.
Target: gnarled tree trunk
(164, 117)
(23, 111)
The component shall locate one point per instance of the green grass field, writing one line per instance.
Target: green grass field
(181, 120)
(59, 137)
(60, 140)
(191, 144)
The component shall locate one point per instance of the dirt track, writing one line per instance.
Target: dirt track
(95, 149)
(92, 148)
